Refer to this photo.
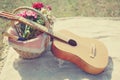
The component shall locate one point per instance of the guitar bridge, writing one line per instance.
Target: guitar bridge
(93, 51)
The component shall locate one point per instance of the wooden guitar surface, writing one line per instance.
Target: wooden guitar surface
(90, 54)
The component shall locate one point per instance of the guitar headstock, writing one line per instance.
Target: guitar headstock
(7, 15)
(5, 21)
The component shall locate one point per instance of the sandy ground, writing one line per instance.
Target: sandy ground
(3, 57)
(46, 67)
(1, 65)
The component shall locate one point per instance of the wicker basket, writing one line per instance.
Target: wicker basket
(34, 47)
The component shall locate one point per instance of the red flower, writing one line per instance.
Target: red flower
(38, 5)
(28, 13)
(31, 13)
(22, 14)
(49, 7)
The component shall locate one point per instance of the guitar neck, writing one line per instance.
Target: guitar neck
(41, 28)
(35, 25)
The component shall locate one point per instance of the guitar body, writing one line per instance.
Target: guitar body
(90, 55)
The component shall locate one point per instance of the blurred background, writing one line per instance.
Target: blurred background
(64, 8)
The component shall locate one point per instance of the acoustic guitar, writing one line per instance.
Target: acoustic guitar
(88, 54)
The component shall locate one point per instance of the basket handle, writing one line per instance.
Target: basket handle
(47, 24)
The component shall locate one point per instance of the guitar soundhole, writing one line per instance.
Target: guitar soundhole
(72, 42)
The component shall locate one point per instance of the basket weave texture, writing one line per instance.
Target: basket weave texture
(32, 48)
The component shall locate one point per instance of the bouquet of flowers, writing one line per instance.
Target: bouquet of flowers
(26, 32)
(31, 42)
